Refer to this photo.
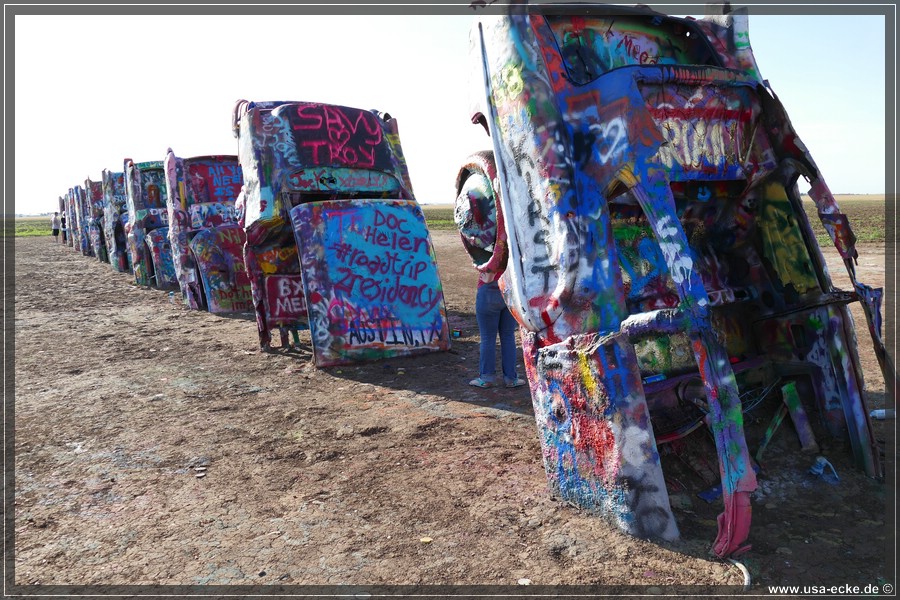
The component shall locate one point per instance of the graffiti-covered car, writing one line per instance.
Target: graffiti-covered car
(94, 197)
(206, 240)
(336, 240)
(71, 220)
(641, 202)
(81, 224)
(147, 230)
(115, 220)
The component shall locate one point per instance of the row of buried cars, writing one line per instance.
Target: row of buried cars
(318, 188)
(639, 206)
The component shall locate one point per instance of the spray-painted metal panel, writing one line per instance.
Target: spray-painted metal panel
(219, 253)
(270, 252)
(207, 241)
(294, 153)
(94, 196)
(370, 280)
(82, 221)
(157, 241)
(115, 220)
(285, 302)
(145, 195)
(71, 222)
(641, 212)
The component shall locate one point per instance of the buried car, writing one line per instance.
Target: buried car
(147, 230)
(80, 225)
(206, 240)
(335, 238)
(641, 202)
(96, 238)
(115, 219)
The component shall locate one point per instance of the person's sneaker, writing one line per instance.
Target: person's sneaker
(514, 383)
(480, 382)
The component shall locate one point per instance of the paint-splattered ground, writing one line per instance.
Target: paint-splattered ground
(154, 445)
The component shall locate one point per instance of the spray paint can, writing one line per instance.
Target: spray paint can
(171, 297)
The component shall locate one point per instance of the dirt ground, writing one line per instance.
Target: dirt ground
(158, 446)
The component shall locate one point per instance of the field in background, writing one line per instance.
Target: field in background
(439, 216)
(30, 226)
(866, 213)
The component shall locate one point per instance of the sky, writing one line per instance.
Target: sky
(133, 86)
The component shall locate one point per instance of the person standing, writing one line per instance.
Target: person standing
(54, 227)
(62, 222)
(494, 318)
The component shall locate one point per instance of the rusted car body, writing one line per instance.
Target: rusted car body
(206, 240)
(641, 202)
(115, 220)
(326, 198)
(96, 237)
(147, 230)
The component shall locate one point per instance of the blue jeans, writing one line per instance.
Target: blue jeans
(493, 318)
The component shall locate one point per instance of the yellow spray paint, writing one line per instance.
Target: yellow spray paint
(783, 245)
(587, 377)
